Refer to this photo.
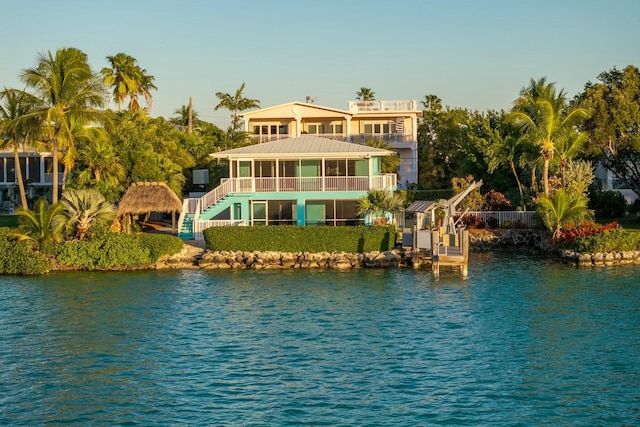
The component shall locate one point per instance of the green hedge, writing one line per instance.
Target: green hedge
(9, 221)
(613, 240)
(18, 257)
(115, 251)
(160, 244)
(292, 238)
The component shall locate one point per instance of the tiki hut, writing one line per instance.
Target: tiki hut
(142, 198)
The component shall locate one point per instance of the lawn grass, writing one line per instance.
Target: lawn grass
(9, 221)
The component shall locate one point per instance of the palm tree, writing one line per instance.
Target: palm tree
(128, 80)
(41, 224)
(19, 131)
(560, 209)
(432, 103)
(508, 153)
(377, 203)
(183, 117)
(365, 94)
(100, 161)
(390, 163)
(568, 145)
(544, 115)
(68, 90)
(84, 208)
(236, 103)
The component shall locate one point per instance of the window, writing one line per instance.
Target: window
(332, 212)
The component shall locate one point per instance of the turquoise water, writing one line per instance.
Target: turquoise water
(517, 343)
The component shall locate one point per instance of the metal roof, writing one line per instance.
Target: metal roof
(422, 206)
(302, 146)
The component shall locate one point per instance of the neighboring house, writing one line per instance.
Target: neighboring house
(395, 122)
(608, 181)
(36, 173)
(308, 180)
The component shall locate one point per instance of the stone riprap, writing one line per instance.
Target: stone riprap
(259, 260)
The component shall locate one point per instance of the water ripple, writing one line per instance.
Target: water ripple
(517, 343)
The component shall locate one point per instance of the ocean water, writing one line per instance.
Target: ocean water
(519, 342)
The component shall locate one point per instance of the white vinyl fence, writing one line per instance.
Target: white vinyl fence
(511, 218)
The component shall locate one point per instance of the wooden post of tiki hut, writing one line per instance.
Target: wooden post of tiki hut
(145, 197)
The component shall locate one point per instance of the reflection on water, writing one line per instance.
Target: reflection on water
(519, 342)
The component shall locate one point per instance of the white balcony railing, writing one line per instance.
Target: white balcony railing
(381, 106)
(309, 184)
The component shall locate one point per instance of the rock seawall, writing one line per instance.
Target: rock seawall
(523, 240)
(600, 259)
(263, 260)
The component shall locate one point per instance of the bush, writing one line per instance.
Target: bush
(293, 238)
(492, 222)
(586, 228)
(160, 244)
(471, 221)
(18, 257)
(113, 251)
(608, 204)
(611, 240)
(495, 201)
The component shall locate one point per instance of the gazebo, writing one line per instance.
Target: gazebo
(146, 197)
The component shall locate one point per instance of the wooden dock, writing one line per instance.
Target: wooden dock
(447, 250)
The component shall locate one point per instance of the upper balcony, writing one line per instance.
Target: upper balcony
(382, 106)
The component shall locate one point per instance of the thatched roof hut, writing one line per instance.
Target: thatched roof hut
(145, 197)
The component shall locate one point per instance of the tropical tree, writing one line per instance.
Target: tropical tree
(569, 144)
(560, 209)
(390, 163)
(127, 79)
(365, 94)
(85, 208)
(377, 203)
(544, 116)
(183, 117)
(68, 91)
(432, 103)
(42, 224)
(613, 128)
(235, 103)
(17, 128)
(509, 153)
(100, 163)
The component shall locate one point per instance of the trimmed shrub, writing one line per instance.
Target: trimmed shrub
(608, 204)
(18, 257)
(292, 238)
(160, 244)
(612, 240)
(113, 251)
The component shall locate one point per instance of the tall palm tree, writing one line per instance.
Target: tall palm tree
(365, 94)
(509, 153)
(17, 128)
(67, 90)
(100, 161)
(183, 117)
(432, 103)
(236, 103)
(128, 80)
(544, 115)
(568, 145)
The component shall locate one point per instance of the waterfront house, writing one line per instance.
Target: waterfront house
(395, 122)
(36, 174)
(308, 180)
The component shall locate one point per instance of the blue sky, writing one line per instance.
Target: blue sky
(471, 53)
